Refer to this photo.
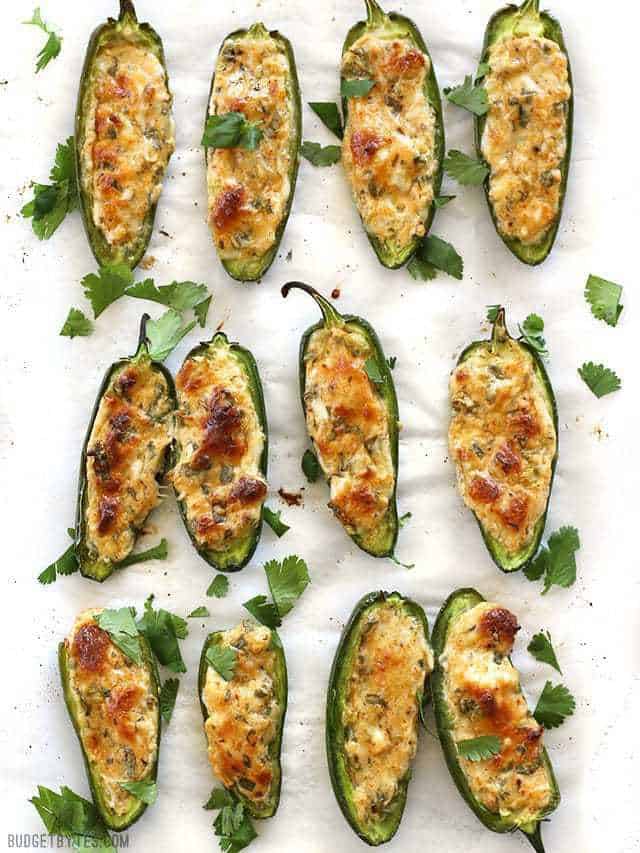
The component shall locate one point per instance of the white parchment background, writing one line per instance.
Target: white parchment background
(48, 385)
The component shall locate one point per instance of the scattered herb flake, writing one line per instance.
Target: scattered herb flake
(542, 650)
(145, 790)
(329, 115)
(604, 298)
(599, 379)
(53, 44)
(554, 705)
(310, 466)
(479, 748)
(464, 169)
(275, 521)
(199, 613)
(231, 130)
(223, 659)
(287, 581)
(165, 334)
(218, 587)
(469, 97)
(318, 155)
(76, 325)
(356, 88)
(168, 695)
(264, 611)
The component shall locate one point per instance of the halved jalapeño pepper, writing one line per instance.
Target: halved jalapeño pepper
(503, 440)
(525, 137)
(393, 144)
(351, 410)
(378, 679)
(476, 698)
(243, 710)
(250, 186)
(114, 706)
(127, 451)
(221, 452)
(124, 137)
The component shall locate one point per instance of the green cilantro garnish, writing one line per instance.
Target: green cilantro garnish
(264, 611)
(53, 44)
(531, 331)
(479, 748)
(356, 88)
(542, 649)
(421, 270)
(599, 379)
(165, 333)
(218, 799)
(492, 312)
(329, 115)
(464, 169)
(201, 310)
(373, 372)
(76, 325)
(287, 581)
(442, 200)
(275, 521)
(483, 69)
(310, 466)
(123, 631)
(52, 202)
(106, 286)
(199, 612)
(168, 695)
(163, 630)
(231, 130)
(223, 659)
(318, 155)
(604, 297)
(434, 254)
(469, 97)
(219, 586)
(557, 560)
(180, 295)
(67, 564)
(554, 705)
(157, 552)
(73, 817)
(234, 827)
(145, 790)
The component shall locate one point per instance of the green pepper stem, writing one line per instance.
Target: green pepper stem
(499, 333)
(535, 838)
(530, 7)
(127, 8)
(375, 15)
(331, 316)
(143, 341)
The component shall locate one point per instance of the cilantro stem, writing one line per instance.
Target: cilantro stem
(329, 313)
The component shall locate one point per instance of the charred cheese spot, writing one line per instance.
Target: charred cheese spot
(483, 696)
(525, 134)
(502, 439)
(115, 708)
(243, 714)
(220, 444)
(248, 190)
(128, 137)
(125, 454)
(389, 141)
(348, 424)
(389, 667)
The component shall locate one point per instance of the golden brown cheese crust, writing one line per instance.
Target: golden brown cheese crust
(525, 135)
(502, 441)
(483, 696)
(348, 423)
(380, 709)
(217, 475)
(125, 455)
(244, 714)
(129, 137)
(388, 149)
(249, 190)
(116, 708)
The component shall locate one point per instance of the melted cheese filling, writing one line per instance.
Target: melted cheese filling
(249, 191)
(482, 691)
(243, 714)
(502, 440)
(220, 442)
(525, 135)
(380, 715)
(128, 137)
(116, 710)
(125, 454)
(388, 149)
(348, 423)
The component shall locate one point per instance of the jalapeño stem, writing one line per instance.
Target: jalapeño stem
(530, 7)
(499, 334)
(535, 838)
(329, 313)
(375, 15)
(143, 341)
(127, 8)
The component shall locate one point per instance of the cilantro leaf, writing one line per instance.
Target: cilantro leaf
(557, 560)
(599, 379)
(223, 659)
(234, 828)
(275, 521)
(319, 156)
(287, 581)
(492, 312)
(357, 87)
(542, 650)
(310, 466)
(51, 202)
(180, 295)
(442, 200)
(218, 799)
(329, 115)
(469, 97)
(440, 255)
(479, 748)
(554, 705)
(464, 169)
(231, 130)
(122, 629)
(531, 331)
(166, 333)
(604, 297)
(76, 325)
(163, 630)
(483, 69)
(145, 790)
(199, 613)
(67, 564)
(219, 586)
(201, 310)
(373, 372)
(53, 44)
(264, 611)
(109, 284)
(73, 817)
(168, 695)
(537, 567)
(157, 552)
(421, 270)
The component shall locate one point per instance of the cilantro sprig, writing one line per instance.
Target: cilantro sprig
(604, 298)
(68, 564)
(531, 332)
(469, 96)
(145, 790)
(219, 586)
(223, 659)
(287, 580)
(76, 324)
(329, 115)
(52, 202)
(165, 333)
(163, 630)
(479, 748)
(233, 824)
(231, 130)
(556, 562)
(466, 170)
(541, 648)
(554, 705)
(71, 816)
(121, 627)
(201, 612)
(310, 466)
(53, 44)
(435, 254)
(599, 379)
(319, 155)
(274, 519)
(357, 87)
(168, 696)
